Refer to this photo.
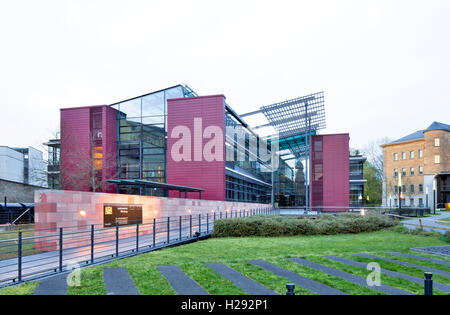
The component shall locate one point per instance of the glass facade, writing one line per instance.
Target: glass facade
(249, 179)
(141, 138)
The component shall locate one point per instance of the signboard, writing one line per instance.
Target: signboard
(122, 214)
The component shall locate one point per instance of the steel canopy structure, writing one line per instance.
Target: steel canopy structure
(294, 120)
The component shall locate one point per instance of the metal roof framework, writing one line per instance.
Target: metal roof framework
(294, 120)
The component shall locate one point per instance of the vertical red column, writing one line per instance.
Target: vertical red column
(197, 171)
(330, 172)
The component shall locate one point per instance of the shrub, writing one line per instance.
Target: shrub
(270, 226)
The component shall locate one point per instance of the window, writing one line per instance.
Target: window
(411, 202)
(420, 170)
(421, 202)
(396, 189)
(395, 156)
(437, 142)
(437, 159)
(395, 202)
(420, 154)
(411, 154)
(421, 188)
(403, 171)
(412, 189)
(404, 188)
(411, 171)
(395, 172)
(403, 156)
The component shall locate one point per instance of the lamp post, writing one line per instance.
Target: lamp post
(400, 194)
(390, 202)
(360, 198)
(434, 196)
(426, 196)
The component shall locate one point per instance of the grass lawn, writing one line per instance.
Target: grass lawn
(8, 249)
(236, 252)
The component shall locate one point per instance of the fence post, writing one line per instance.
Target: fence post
(200, 223)
(154, 232)
(181, 222)
(190, 226)
(60, 249)
(207, 223)
(428, 283)
(220, 215)
(168, 230)
(137, 236)
(92, 242)
(19, 258)
(117, 239)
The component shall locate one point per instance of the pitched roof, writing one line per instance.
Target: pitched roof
(419, 134)
(438, 126)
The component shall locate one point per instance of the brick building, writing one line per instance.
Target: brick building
(423, 160)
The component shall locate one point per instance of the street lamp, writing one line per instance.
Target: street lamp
(434, 195)
(426, 196)
(360, 198)
(390, 202)
(400, 194)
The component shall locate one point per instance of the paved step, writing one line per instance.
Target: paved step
(437, 261)
(53, 286)
(118, 282)
(350, 277)
(299, 280)
(407, 264)
(248, 285)
(436, 250)
(180, 282)
(437, 285)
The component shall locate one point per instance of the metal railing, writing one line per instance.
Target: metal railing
(32, 254)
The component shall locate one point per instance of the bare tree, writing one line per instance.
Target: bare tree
(84, 168)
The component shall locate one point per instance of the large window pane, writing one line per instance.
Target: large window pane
(153, 104)
(131, 108)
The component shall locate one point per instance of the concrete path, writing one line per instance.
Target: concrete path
(180, 282)
(118, 282)
(350, 277)
(435, 250)
(437, 285)
(429, 221)
(248, 285)
(407, 264)
(299, 280)
(437, 261)
(52, 286)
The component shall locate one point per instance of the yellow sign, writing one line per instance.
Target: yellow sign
(108, 210)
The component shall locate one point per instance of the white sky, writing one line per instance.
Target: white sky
(384, 64)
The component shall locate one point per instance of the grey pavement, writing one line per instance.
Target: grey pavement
(250, 286)
(52, 286)
(437, 285)
(430, 222)
(435, 250)
(299, 280)
(407, 264)
(350, 277)
(118, 282)
(180, 282)
(437, 261)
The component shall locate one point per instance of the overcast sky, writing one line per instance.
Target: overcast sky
(384, 64)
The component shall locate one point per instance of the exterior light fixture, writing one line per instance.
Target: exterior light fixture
(363, 212)
(82, 213)
(189, 211)
(155, 212)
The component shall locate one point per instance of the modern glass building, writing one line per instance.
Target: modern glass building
(129, 146)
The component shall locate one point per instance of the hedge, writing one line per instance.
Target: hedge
(270, 226)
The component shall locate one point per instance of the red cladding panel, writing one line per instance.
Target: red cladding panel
(76, 142)
(199, 174)
(333, 187)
